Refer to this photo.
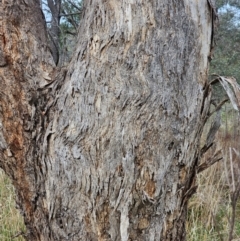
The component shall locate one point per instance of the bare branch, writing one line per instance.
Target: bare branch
(69, 14)
(233, 93)
(218, 107)
(215, 125)
(209, 162)
(74, 5)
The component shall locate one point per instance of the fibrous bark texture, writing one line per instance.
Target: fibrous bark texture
(108, 149)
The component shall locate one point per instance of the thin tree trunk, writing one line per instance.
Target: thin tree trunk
(109, 149)
(54, 31)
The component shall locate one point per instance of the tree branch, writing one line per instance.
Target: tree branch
(74, 5)
(69, 14)
(209, 162)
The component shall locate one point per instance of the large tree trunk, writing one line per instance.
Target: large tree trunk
(108, 149)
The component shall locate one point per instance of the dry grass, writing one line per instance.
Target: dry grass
(211, 209)
(11, 222)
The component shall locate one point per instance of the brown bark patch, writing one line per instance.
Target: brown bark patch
(15, 145)
(150, 188)
(103, 223)
(182, 175)
(143, 223)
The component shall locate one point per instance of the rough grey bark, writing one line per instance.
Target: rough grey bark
(107, 149)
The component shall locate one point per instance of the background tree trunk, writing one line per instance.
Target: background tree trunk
(54, 30)
(107, 149)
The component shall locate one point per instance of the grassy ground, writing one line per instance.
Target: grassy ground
(11, 222)
(211, 208)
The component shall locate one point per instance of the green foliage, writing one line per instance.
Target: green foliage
(71, 13)
(227, 39)
(227, 50)
(70, 18)
(67, 25)
(221, 3)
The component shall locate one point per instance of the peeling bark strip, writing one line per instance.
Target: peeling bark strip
(109, 149)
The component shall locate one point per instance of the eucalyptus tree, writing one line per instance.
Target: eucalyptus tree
(107, 148)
